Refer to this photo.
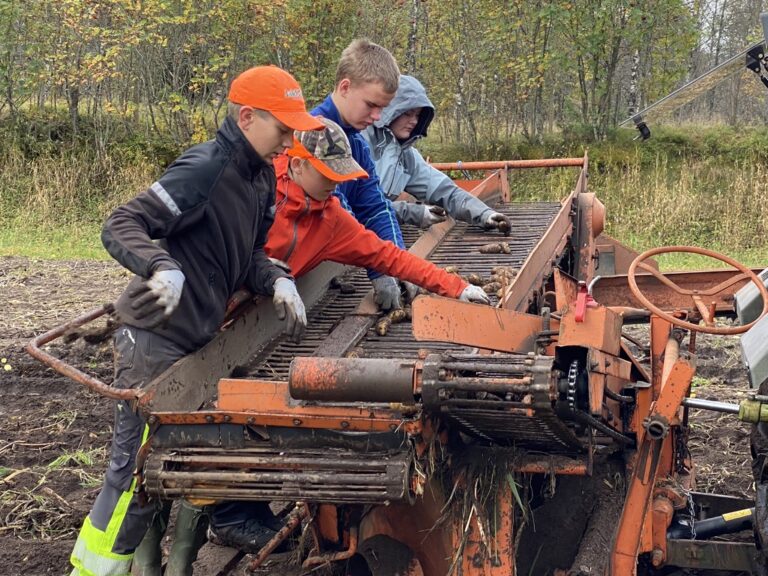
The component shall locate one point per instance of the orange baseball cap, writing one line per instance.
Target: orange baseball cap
(273, 89)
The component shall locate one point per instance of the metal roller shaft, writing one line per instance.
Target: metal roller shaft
(352, 379)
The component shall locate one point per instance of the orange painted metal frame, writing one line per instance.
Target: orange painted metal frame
(540, 261)
(268, 403)
(446, 320)
(653, 459)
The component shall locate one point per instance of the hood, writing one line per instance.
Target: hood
(290, 200)
(410, 94)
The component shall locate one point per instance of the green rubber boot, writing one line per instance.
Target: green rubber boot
(188, 538)
(148, 558)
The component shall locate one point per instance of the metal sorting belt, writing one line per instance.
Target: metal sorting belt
(530, 221)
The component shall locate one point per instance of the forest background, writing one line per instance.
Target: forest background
(98, 96)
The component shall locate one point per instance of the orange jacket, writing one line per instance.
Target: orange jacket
(307, 232)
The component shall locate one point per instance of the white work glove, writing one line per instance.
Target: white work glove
(159, 295)
(290, 307)
(499, 221)
(386, 293)
(474, 294)
(431, 215)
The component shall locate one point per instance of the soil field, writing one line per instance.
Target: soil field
(54, 433)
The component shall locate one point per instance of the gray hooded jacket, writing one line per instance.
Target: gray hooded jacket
(402, 168)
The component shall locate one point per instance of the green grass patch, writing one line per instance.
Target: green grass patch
(80, 241)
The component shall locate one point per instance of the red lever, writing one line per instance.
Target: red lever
(583, 301)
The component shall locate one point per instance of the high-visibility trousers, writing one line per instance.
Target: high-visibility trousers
(118, 521)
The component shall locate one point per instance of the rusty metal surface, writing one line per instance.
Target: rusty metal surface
(335, 327)
(511, 164)
(192, 380)
(312, 475)
(445, 320)
(507, 412)
(352, 379)
(34, 349)
(614, 290)
(540, 260)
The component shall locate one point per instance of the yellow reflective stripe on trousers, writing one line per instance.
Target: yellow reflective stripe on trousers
(92, 555)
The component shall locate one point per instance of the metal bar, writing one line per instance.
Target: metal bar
(328, 479)
(33, 349)
(614, 290)
(711, 405)
(510, 164)
(335, 556)
(292, 522)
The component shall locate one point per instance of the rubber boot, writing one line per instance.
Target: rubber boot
(188, 538)
(148, 558)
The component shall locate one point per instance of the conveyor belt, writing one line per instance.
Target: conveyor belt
(459, 248)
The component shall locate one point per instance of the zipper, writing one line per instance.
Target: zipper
(296, 230)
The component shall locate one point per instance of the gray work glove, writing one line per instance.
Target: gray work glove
(411, 291)
(499, 221)
(474, 294)
(290, 307)
(158, 296)
(431, 215)
(386, 293)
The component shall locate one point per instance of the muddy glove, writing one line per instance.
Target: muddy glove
(498, 221)
(159, 295)
(386, 293)
(431, 215)
(474, 294)
(411, 291)
(290, 307)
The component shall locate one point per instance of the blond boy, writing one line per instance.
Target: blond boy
(367, 77)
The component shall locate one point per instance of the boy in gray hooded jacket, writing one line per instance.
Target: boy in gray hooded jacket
(402, 168)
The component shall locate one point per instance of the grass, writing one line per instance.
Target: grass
(65, 242)
(701, 186)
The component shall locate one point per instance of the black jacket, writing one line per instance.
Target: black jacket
(210, 212)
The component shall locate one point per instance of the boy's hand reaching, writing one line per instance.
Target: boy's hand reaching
(474, 294)
(386, 293)
(290, 307)
(499, 221)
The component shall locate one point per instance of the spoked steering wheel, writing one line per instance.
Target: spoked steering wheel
(698, 296)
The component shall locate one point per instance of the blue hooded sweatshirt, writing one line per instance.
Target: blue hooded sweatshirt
(364, 198)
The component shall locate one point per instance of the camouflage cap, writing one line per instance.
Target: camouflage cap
(329, 151)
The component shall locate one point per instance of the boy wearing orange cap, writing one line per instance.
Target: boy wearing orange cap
(193, 238)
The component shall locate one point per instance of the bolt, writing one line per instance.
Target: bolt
(227, 418)
(393, 427)
(296, 422)
(251, 421)
(209, 419)
(477, 560)
(344, 424)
